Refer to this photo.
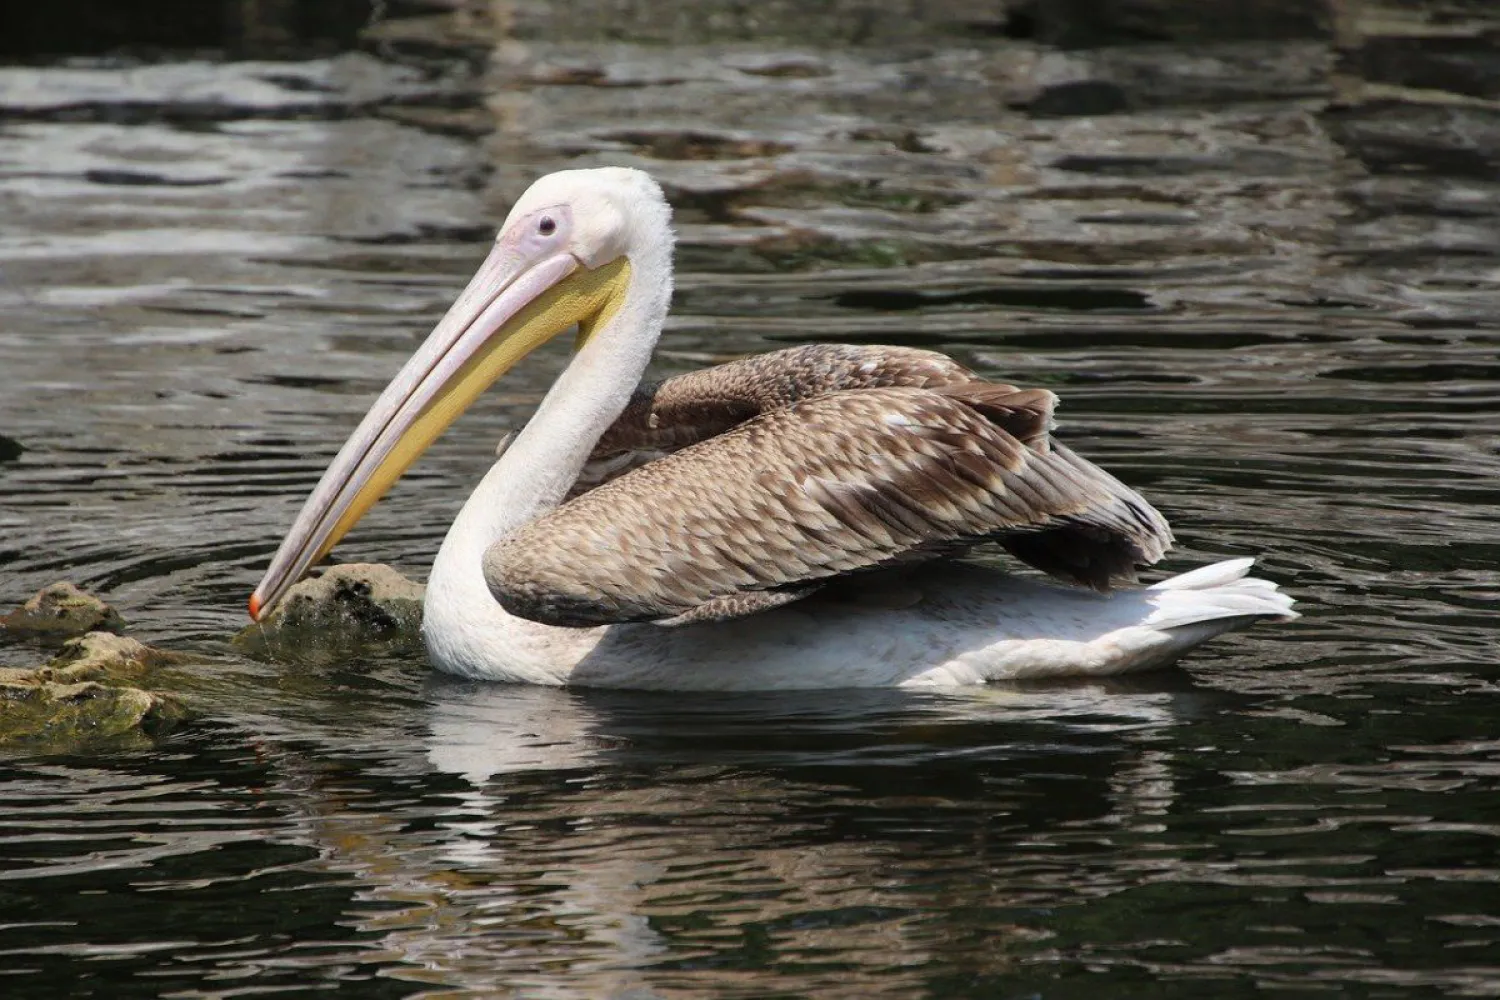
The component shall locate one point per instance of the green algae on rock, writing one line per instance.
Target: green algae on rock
(89, 692)
(61, 609)
(352, 604)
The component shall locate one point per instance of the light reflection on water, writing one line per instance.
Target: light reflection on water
(592, 844)
(1274, 316)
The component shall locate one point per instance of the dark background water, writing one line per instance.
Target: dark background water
(1253, 245)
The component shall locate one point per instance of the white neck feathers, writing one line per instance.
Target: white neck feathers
(541, 464)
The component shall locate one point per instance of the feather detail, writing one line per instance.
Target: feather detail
(843, 482)
(667, 416)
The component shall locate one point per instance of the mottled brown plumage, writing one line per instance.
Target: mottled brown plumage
(779, 474)
(666, 416)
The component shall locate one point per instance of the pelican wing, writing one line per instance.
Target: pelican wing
(670, 415)
(839, 484)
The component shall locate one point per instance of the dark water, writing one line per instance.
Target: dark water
(1255, 254)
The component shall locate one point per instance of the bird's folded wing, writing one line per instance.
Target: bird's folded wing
(670, 415)
(838, 484)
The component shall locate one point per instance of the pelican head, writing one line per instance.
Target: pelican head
(563, 258)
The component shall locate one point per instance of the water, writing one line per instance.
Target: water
(1257, 259)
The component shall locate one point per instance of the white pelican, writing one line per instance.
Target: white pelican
(796, 514)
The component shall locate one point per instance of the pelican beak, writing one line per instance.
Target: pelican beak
(510, 307)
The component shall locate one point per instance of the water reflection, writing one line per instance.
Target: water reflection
(603, 845)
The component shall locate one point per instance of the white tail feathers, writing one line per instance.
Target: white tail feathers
(1219, 591)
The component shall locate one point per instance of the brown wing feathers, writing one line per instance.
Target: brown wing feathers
(666, 416)
(841, 482)
(1024, 414)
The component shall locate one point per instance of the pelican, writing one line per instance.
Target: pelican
(795, 520)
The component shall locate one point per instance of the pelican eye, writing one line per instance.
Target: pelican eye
(547, 226)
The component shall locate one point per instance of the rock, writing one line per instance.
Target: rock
(367, 595)
(89, 692)
(350, 604)
(102, 656)
(61, 610)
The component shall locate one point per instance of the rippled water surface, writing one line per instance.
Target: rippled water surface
(1257, 259)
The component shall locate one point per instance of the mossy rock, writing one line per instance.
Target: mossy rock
(350, 606)
(90, 692)
(61, 610)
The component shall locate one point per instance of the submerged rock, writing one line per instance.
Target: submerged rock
(90, 691)
(363, 595)
(61, 609)
(352, 604)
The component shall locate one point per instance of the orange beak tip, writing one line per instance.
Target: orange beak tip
(255, 607)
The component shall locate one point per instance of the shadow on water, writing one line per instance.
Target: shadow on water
(1253, 247)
